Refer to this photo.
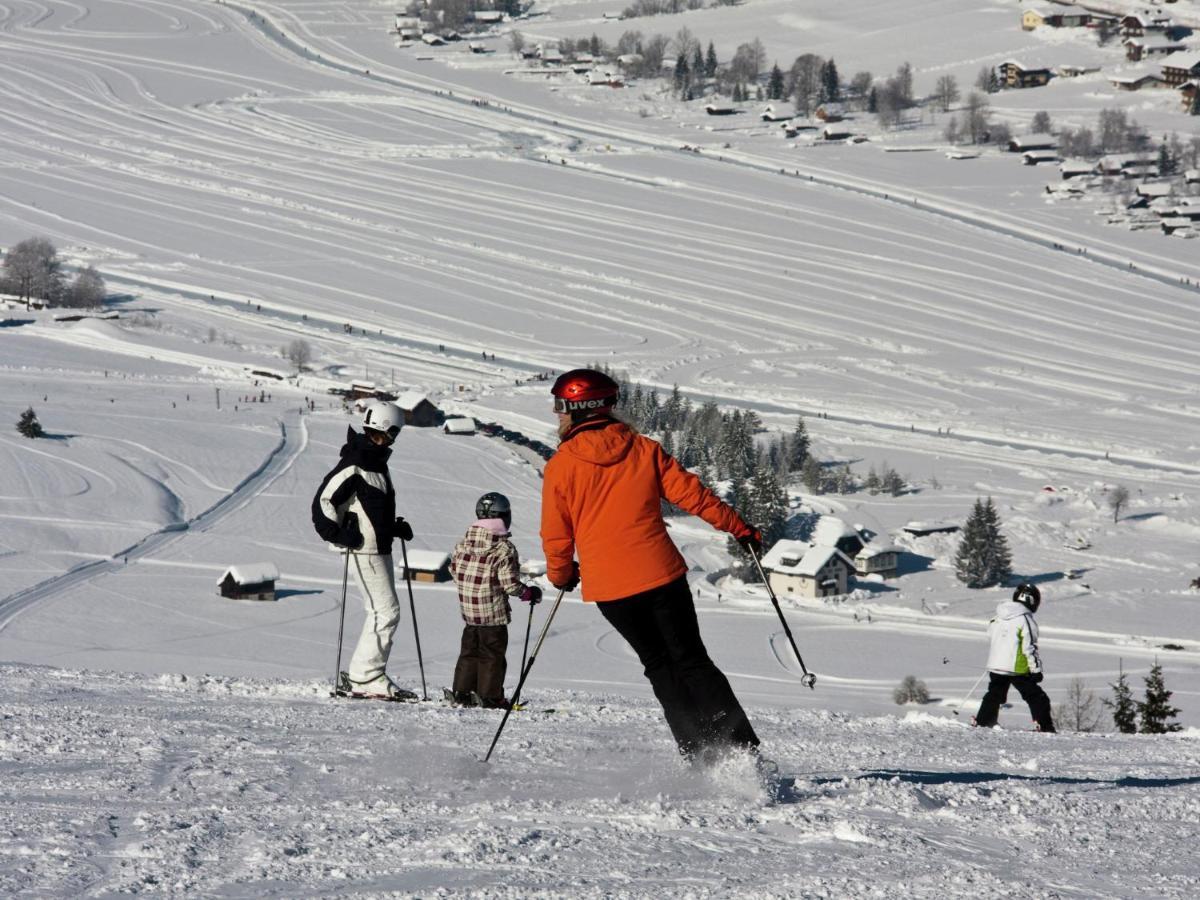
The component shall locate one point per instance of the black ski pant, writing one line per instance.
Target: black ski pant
(698, 703)
(1031, 692)
(481, 661)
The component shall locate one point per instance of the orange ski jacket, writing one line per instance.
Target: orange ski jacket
(601, 499)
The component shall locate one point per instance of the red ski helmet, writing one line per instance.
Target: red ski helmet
(583, 390)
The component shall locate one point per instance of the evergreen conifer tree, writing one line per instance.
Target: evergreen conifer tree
(697, 65)
(831, 88)
(872, 484)
(999, 558)
(813, 476)
(1122, 705)
(775, 83)
(971, 560)
(799, 446)
(1155, 713)
(710, 61)
(28, 424)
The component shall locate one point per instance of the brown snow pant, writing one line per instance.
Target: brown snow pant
(481, 661)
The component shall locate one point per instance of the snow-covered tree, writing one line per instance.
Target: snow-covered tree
(1040, 123)
(298, 353)
(813, 475)
(1155, 713)
(32, 271)
(28, 424)
(798, 447)
(946, 91)
(87, 291)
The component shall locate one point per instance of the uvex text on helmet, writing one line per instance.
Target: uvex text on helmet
(385, 417)
(581, 390)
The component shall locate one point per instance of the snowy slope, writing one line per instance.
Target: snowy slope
(233, 787)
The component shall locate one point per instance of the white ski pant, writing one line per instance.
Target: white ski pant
(377, 581)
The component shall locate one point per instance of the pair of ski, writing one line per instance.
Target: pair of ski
(346, 690)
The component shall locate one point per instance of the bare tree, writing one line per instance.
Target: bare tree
(975, 117)
(860, 86)
(947, 92)
(516, 42)
(1080, 711)
(87, 290)
(1118, 499)
(1041, 123)
(32, 270)
(804, 81)
(299, 354)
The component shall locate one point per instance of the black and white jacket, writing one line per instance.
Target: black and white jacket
(358, 484)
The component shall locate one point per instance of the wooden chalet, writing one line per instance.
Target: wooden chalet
(252, 581)
(1027, 142)
(426, 565)
(418, 410)
(882, 560)
(1180, 68)
(1137, 49)
(1016, 74)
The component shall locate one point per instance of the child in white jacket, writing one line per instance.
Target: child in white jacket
(1014, 660)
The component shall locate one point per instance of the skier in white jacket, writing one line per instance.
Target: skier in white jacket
(1014, 660)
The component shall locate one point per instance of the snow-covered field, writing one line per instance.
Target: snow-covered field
(246, 175)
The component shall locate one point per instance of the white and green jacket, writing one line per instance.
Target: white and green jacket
(1014, 637)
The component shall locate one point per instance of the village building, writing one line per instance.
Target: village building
(426, 565)
(1135, 80)
(1028, 142)
(252, 581)
(1137, 49)
(923, 529)
(1033, 18)
(1144, 23)
(486, 16)
(1180, 68)
(367, 390)
(798, 569)
(418, 410)
(1017, 74)
(836, 132)
(830, 531)
(881, 560)
(1192, 176)
(409, 28)
(1076, 168)
(716, 109)
(459, 425)
(770, 114)
(1039, 157)
(1187, 95)
(1173, 224)
(830, 112)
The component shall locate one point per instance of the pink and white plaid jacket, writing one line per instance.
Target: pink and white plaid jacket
(486, 572)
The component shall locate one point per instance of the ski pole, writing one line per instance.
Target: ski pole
(970, 692)
(809, 680)
(528, 628)
(525, 669)
(337, 668)
(412, 605)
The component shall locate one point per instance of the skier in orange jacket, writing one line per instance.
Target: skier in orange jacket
(601, 500)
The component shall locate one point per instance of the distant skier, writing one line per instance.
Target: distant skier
(355, 509)
(601, 498)
(1014, 660)
(487, 572)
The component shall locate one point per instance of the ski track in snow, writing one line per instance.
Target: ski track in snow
(231, 787)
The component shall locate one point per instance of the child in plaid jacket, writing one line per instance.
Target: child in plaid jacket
(486, 572)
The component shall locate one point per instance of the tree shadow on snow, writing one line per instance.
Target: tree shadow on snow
(294, 592)
(915, 777)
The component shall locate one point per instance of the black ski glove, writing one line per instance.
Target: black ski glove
(350, 536)
(572, 581)
(402, 530)
(752, 543)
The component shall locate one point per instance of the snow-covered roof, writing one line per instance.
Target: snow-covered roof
(829, 530)
(459, 426)
(1182, 60)
(785, 556)
(1040, 155)
(410, 400)
(251, 573)
(1192, 175)
(1154, 190)
(427, 560)
(1077, 166)
(870, 551)
(1040, 141)
(817, 558)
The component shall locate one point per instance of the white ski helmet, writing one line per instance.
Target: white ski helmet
(382, 416)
